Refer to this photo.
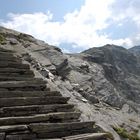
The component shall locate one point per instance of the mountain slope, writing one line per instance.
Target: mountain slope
(102, 82)
(121, 69)
(136, 51)
(109, 73)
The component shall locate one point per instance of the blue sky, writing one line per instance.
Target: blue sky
(57, 7)
(75, 25)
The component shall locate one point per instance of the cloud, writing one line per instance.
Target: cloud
(87, 27)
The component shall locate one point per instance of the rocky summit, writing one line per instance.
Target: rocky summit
(47, 94)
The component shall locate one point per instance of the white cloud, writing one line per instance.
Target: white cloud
(80, 27)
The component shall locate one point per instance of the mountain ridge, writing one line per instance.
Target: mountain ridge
(103, 82)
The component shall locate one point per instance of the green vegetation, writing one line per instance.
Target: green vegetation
(124, 133)
(2, 39)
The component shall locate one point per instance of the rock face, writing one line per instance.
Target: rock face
(121, 69)
(102, 83)
(30, 110)
(136, 51)
(109, 73)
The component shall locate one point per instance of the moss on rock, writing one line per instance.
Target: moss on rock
(2, 39)
(125, 134)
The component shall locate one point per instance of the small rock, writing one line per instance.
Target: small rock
(84, 100)
(80, 90)
(13, 41)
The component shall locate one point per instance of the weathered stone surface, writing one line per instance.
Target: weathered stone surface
(49, 139)
(20, 132)
(13, 78)
(89, 136)
(50, 117)
(9, 84)
(2, 136)
(13, 41)
(107, 77)
(135, 49)
(4, 58)
(5, 50)
(28, 74)
(13, 128)
(23, 85)
(12, 94)
(121, 69)
(6, 53)
(14, 70)
(48, 130)
(14, 65)
(34, 109)
(21, 137)
(21, 101)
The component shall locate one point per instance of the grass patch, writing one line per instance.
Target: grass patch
(124, 133)
(2, 39)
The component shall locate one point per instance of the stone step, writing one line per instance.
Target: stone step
(28, 74)
(89, 136)
(11, 94)
(14, 70)
(21, 137)
(13, 128)
(23, 101)
(50, 139)
(5, 50)
(35, 109)
(58, 130)
(14, 65)
(10, 54)
(23, 85)
(2, 136)
(28, 110)
(6, 54)
(10, 58)
(50, 117)
(13, 78)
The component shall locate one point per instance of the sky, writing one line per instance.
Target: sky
(75, 25)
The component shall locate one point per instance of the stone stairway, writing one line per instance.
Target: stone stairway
(30, 111)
